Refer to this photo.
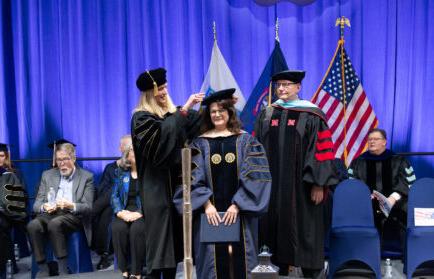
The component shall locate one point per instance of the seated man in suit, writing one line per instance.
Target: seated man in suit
(391, 175)
(63, 205)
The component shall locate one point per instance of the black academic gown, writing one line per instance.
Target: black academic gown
(300, 153)
(386, 173)
(157, 146)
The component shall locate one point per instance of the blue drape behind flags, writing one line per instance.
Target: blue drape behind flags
(276, 63)
(349, 113)
(220, 77)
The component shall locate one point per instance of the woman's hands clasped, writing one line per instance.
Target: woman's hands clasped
(128, 216)
(213, 217)
(231, 215)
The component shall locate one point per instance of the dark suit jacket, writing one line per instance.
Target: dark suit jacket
(82, 194)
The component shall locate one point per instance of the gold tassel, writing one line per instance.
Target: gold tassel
(154, 83)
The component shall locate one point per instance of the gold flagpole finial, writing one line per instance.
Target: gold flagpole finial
(341, 22)
(277, 29)
(214, 31)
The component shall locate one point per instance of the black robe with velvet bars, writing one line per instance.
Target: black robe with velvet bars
(386, 173)
(300, 153)
(157, 146)
(249, 173)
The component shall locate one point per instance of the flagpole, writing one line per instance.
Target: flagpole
(276, 38)
(214, 31)
(342, 21)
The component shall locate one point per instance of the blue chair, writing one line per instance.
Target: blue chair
(353, 236)
(420, 240)
(79, 258)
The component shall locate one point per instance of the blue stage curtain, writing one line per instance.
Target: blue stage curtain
(68, 67)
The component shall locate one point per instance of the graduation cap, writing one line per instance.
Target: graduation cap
(294, 76)
(218, 96)
(56, 143)
(151, 80)
(4, 147)
(59, 141)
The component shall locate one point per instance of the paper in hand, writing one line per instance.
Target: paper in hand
(385, 205)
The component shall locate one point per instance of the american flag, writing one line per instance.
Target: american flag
(349, 118)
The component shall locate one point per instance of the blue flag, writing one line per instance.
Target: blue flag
(258, 98)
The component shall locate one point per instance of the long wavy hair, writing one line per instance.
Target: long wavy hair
(234, 123)
(148, 103)
(7, 163)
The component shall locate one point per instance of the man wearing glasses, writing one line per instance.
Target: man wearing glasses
(391, 175)
(299, 148)
(64, 199)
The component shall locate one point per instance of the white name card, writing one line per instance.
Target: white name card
(423, 216)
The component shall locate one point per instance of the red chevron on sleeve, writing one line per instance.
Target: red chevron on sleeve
(324, 156)
(324, 135)
(324, 145)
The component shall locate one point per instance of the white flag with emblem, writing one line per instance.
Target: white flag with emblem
(220, 77)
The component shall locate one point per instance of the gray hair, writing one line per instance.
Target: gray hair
(68, 148)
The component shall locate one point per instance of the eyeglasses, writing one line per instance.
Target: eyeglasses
(220, 111)
(374, 139)
(63, 160)
(284, 84)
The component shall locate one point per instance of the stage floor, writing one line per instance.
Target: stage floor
(25, 264)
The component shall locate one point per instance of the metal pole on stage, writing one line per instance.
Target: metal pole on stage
(187, 214)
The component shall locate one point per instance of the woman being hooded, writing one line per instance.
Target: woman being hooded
(159, 130)
(231, 177)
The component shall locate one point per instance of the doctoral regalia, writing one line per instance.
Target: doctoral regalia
(13, 197)
(157, 146)
(300, 153)
(230, 170)
(386, 173)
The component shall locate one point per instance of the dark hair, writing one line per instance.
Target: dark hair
(234, 124)
(381, 131)
(7, 163)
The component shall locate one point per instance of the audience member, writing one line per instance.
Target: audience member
(391, 175)
(12, 214)
(18, 224)
(102, 211)
(128, 224)
(63, 205)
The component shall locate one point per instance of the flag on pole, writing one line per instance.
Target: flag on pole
(220, 77)
(343, 100)
(257, 100)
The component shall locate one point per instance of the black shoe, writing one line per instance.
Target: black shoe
(15, 268)
(104, 262)
(53, 268)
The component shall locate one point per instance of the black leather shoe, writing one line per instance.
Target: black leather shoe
(104, 262)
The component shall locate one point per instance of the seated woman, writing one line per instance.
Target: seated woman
(128, 225)
(9, 218)
(232, 176)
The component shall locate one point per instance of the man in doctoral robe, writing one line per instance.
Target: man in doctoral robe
(299, 148)
(391, 175)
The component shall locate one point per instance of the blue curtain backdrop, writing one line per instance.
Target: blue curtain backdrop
(68, 68)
